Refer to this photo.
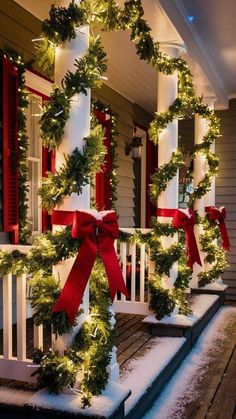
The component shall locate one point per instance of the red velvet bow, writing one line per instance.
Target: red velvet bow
(219, 215)
(186, 220)
(98, 238)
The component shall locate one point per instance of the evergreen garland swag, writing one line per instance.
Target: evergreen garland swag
(85, 355)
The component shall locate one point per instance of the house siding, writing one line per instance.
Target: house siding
(17, 29)
(226, 187)
(128, 114)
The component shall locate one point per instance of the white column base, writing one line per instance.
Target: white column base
(114, 368)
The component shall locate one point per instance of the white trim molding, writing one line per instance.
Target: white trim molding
(38, 83)
(195, 47)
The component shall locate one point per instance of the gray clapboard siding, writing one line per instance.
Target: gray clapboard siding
(226, 187)
(128, 114)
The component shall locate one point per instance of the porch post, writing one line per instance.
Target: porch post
(77, 128)
(168, 143)
(200, 169)
(210, 197)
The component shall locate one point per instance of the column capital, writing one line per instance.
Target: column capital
(174, 48)
(210, 100)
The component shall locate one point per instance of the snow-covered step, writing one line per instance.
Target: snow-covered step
(203, 307)
(147, 375)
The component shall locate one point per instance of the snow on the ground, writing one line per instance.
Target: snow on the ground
(182, 386)
(200, 305)
(14, 397)
(141, 372)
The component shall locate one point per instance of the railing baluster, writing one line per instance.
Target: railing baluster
(7, 316)
(38, 337)
(133, 272)
(142, 272)
(21, 316)
(123, 251)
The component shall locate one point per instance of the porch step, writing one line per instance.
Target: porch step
(211, 289)
(203, 307)
(168, 352)
(41, 405)
(161, 357)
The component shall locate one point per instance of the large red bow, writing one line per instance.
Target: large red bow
(184, 219)
(98, 237)
(219, 215)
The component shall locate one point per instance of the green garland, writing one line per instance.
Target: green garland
(85, 354)
(215, 256)
(55, 372)
(89, 70)
(77, 171)
(56, 113)
(97, 105)
(164, 174)
(44, 292)
(163, 301)
(23, 103)
(110, 16)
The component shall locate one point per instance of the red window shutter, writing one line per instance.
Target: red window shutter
(151, 165)
(103, 178)
(10, 151)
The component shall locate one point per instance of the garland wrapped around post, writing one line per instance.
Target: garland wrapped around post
(97, 332)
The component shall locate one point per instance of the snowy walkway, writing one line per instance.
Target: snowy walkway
(205, 384)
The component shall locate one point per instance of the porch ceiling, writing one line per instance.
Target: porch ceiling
(131, 77)
(214, 21)
(210, 39)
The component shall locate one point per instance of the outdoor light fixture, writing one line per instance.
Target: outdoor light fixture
(134, 148)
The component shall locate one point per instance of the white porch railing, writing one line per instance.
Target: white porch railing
(16, 314)
(136, 268)
(16, 311)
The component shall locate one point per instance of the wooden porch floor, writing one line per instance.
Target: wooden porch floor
(132, 337)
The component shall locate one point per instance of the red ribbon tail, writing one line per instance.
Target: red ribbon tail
(225, 237)
(192, 249)
(113, 271)
(73, 290)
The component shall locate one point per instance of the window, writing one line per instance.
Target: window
(34, 161)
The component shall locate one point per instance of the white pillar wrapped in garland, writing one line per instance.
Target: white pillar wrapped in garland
(77, 128)
(210, 197)
(200, 170)
(167, 92)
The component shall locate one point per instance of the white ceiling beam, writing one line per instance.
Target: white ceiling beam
(195, 47)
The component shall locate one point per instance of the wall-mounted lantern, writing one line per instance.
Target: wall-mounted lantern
(134, 148)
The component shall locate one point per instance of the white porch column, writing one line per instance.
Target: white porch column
(168, 143)
(76, 129)
(200, 169)
(210, 197)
